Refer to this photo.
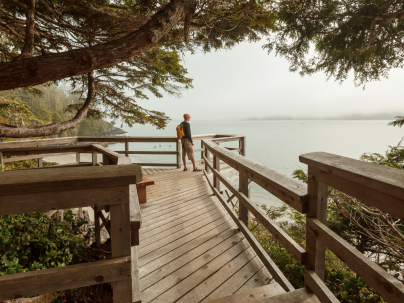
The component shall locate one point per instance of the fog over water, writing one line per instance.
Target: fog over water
(278, 144)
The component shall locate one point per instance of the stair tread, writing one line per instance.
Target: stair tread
(271, 293)
(252, 295)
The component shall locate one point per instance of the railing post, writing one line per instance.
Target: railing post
(202, 151)
(77, 154)
(94, 157)
(243, 186)
(216, 165)
(105, 160)
(178, 148)
(40, 162)
(1, 160)
(97, 226)
(126, 149)
(318, 194)
(120, 247)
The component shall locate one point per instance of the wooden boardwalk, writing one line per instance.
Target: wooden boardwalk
(190, 249)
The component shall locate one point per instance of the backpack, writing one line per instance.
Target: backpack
(180, 131)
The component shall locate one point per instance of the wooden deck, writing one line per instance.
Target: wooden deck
(190, 249)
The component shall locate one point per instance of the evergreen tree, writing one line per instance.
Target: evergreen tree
(108, 47)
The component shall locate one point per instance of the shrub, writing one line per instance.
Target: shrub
(32, 241)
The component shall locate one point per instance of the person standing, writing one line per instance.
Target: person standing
(187, 144)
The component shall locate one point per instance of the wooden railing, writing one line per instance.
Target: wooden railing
(106, 187)
(376, 185)
(38, 149)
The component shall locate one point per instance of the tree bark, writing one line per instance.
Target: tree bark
(29, 31)
(56, 66)
(56, 128)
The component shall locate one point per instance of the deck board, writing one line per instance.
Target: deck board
(190, 249)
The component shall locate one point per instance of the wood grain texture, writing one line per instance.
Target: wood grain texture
(317, 286)
(385, 284)
(56, 150)
(39, 142)
(382, 178)
(261, 294)
(67, 178)
(63, 278)
(64, 199)
(287, 189)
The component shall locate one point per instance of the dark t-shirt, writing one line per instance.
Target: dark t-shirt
(187, 131)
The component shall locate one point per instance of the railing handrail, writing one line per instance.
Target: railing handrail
(37, 149)
(287, 189)
(379, 186)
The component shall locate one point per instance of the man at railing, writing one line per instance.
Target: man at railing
(187, 144)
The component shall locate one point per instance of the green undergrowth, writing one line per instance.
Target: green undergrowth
(32, 241)
(343, 282)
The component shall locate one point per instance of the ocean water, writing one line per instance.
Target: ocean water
(278, 144)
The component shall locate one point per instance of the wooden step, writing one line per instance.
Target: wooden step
(252, 295)
(271, 293)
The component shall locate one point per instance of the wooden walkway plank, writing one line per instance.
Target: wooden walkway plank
(174, 209)
(179, 218)
(184, 280)
(262, 277)
(150, 256)
(167, 263)
(158, 242)
(240, 278)
(210, 284)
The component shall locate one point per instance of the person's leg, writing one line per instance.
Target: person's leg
(184, 154)
(184, 159)
(193, 163)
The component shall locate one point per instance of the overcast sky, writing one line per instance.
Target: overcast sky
(246, 82)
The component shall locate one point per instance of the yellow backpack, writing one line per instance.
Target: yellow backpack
(180, 131)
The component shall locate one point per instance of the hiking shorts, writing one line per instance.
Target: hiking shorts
(187, 148)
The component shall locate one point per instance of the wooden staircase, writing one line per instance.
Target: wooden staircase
(271, 293)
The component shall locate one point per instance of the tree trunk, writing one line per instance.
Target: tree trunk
(56, 128)
(56, 66)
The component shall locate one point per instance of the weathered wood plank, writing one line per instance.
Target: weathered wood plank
(261, 294)
(269, 264)
(136, 291)
(67, 178)
(385, 284)
(285, 188)
(172, 261)
(55, 150)
(144, 152)
(175, 285)
(116, 158)
(200, 292)
(155, 164)
(62, 278)
(376, 198)
(16, 159)
(120, 139)
(64, 199)
(120, 245)
(317, 286)
(39, 142)
(382, 178)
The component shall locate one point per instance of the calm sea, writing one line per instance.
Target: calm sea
(278, 144)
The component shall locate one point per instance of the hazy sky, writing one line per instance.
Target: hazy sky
(246, 82)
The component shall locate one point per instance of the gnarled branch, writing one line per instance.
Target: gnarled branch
(55, 128)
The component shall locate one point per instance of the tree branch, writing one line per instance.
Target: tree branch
(29, 31)
(56, 66)
(56, 128)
